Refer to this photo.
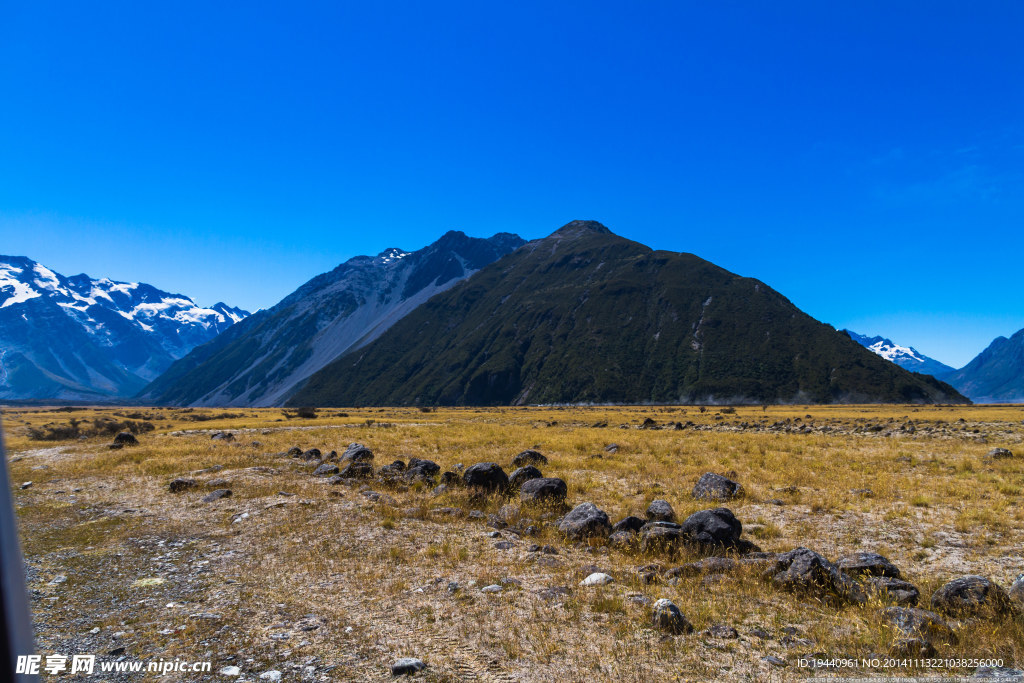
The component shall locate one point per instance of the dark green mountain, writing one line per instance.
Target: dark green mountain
(586, 316)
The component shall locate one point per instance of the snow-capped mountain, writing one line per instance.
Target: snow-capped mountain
(262, 360)
(907, 357)
(83, 338)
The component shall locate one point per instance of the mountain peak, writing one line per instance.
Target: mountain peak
(581, 228)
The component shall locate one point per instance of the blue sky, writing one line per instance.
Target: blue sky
(866, 159)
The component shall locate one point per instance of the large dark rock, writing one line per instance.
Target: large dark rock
(713, 529)
(421, 470)
(893, 590)
(356, 470)
(529, 457)
(523, 475)
(326, 470)
(126, 439)
(803, 570)
(661, 537)
(919, 623)
(217, 495)
(584, 521)
(181, 484)
(311, 454)
(543, 491)
(486, 476)
(667, 617)
(870, 564)
(970, 596)
(629, 524)
(713, 486)
(660, 511)
(357, 452)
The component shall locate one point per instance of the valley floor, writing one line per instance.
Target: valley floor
(335, 581)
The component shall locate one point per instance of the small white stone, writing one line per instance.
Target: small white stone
(95, 630)
(597, 579)
(272, 675)
(493, 588)
(230, 671)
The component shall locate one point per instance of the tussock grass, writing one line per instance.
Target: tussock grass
(375, 575)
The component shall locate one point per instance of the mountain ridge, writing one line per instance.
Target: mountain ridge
(996, 375)
(664, 327)
(907, 357)
(261, 361)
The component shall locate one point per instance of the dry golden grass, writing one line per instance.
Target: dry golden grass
(373, 576)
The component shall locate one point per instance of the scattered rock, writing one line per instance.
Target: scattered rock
(713, 486)
(221, 436)
(597, 579)
(486, 476)
(611, 448)
(1016, 592)
(493, 588)
(529, 457)
(126, 439)
(357, 453)
(26, 485)
(272, 675)
(970, 596)
(356, 470)
(713, 530)
(217, 495)
(585, 520)
(543, 491)
(806, 571)
(870, 564)
(523, 475)
(407, 666)
(311, 454)
(999, 454)
(421, 469)
(912, 647)
(723, 631)
(895, 590)
(629, 524)
(326, 470)
(998, 673)
(181, 484)
(230, 671)
(660, 511)
(774, 661)
(667, 617)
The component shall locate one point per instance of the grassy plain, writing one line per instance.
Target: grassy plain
(329, 584)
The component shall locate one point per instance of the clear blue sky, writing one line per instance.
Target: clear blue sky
(866, 159)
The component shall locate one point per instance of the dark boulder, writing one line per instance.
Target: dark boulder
(421, 468)
(217, 495)
(357, 452)
(486, 476)
(523, 475)
(529, 457)
(713, 529)
(325, 470)
(584, 521)
(713, 486)
(660, 511)
(869, 564)
(126, 439)
(451, 479)
(629, 524)
(356, 470)
(667, 617)
(805, 571)
(311, 454)
(893, 590)
(970, 596)
(181, 484)
(543, 491)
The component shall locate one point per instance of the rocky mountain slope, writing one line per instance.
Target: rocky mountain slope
(80, 338)
(586, 316)
(262, 360)
(996, 375)
(907, 357)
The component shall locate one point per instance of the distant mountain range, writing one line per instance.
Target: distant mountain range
(262, 360)
(79, 338)
(586, 316)
(996, 375)
(906, 357)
